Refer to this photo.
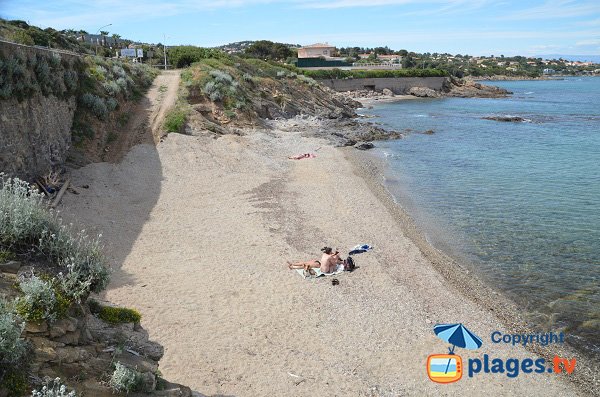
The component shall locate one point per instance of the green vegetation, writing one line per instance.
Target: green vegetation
(182, 56)
(14, 381)
(27, 228)
(43, 300)
(23, 33)
(268, 50)
(13, 351)
(114, 315)
(125, 379)
(175, 119)
(363, 74)
(23, 76)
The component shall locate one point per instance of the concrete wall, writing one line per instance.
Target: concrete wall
(35, 134)
(399, 85)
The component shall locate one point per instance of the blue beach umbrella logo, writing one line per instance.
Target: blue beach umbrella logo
(447, 368)
(457, 335)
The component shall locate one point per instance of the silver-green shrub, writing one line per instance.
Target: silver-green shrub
(111, 87)
(221, 77)
(111, 104)
(54, 388)
(12, 347)
(95, 104)
(124, 379)
(38, 301)
(23, 216)
(26, 225)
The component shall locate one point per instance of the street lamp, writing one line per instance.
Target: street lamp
(165, 48)
(98, 31)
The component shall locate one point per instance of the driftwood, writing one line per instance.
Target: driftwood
(41, 186)
(61, 193)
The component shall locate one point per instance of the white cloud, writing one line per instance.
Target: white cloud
(588, 42)
(556, 9)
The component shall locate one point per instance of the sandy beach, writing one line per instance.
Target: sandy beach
(199, 230)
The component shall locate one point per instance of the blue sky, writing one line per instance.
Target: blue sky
(474, 27)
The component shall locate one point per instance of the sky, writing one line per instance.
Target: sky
(473, 27)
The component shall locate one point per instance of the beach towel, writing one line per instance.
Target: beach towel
(319, 273)
(359, 249)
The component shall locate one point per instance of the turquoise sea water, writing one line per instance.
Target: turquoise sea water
(519, 202)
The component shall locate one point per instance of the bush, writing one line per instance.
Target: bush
(111, 87)
(27, 226)
(95, 104)
(175, 120)
(12, 347)
(114, 315)
(125, 379)
(183, 56)
(14, 381)
(54, 388)
(42, 300)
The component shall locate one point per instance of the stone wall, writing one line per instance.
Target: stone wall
(35, 134)
(398, 85)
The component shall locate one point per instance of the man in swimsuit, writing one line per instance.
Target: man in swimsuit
(328, 262)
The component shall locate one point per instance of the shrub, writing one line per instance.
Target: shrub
(175, 120)
(307, 80)
(111, 87)
(27, 226)
(39, 302)
(23, 217)
(13, 381)
(111, 104)
(125, 379)
(114, 315)
(12, 347)
(95, 104)
(54, 388)
(221, 77)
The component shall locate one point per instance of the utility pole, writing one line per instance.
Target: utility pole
(165, 49)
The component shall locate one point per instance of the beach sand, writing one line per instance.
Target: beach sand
(199, 230)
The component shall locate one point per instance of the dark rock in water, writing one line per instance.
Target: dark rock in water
(428, 132)
(506, 119)
(364, 145)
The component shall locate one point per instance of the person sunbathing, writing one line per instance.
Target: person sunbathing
(328, 262)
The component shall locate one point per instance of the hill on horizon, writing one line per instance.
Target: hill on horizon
(573, 58)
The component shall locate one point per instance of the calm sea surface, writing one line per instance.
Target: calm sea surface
(519, 202)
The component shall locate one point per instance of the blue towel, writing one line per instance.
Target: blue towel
(359, 249)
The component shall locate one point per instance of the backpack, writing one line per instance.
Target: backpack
(349, 264)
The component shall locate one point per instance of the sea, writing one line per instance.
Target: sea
(516, 202)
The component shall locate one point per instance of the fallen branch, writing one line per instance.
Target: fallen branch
(61, 193)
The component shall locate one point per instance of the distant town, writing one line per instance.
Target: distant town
(310, 56)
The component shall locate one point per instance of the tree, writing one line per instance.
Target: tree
(265, 49)
(103, 32)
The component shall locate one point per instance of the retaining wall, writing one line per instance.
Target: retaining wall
(35, 133)
(398, 85)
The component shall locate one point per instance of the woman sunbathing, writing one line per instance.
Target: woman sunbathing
(328, 262)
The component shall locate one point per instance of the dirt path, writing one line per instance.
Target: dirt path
(145, 124)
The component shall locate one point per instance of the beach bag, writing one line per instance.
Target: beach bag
(349, 264)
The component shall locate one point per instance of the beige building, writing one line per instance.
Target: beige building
(316, 51)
